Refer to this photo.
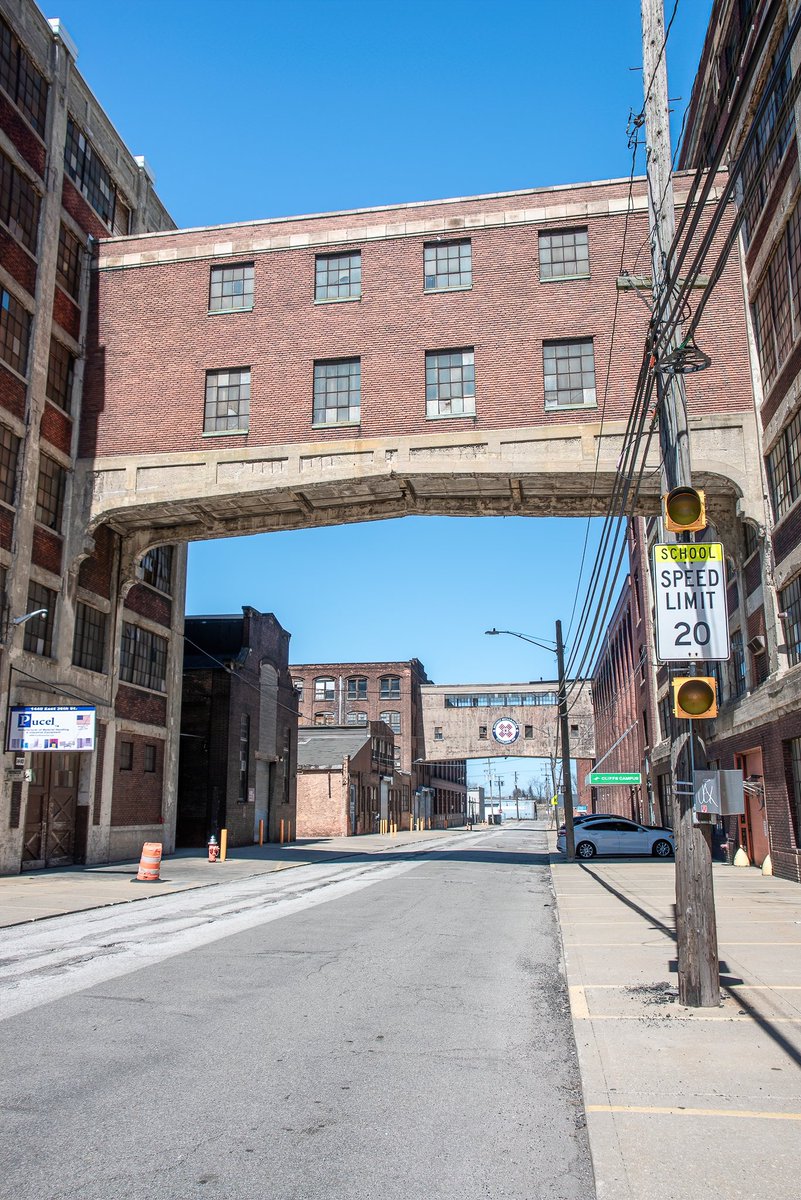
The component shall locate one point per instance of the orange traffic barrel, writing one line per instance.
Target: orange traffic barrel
(149, 863)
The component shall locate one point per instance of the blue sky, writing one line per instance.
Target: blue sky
(259, 108)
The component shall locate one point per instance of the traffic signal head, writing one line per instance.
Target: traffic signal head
(695, 697)
(684, 510)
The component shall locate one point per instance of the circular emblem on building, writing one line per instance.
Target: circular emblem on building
(506, 731)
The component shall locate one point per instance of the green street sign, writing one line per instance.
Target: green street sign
(601, 778)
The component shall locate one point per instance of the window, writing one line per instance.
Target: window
(298, 686)
(338, 276)
(15, 331)
(89, 645)
(9, 456)
(528, 731)
(795, 807)
(737, 681)
(68, 263)
(244, 756)
(20, 78)
(438, 733)
(392, 719)
(39, 630)
(337, 391)
(356, 718)
(447, 265)
(227, 401)
(784, 471)
(564, 255)
(156, 568)
(771, 136)
(324, 718)
(126, 756)
(482, 732)
(231, 288)
(569, 374)
(143, 658)
(50, 493)
(357, 687)
(150, 758)
(88, 173)
(19, 204)
(396, 758)
(60, 375)
(389, 687)
(777, 302)
(450, 383)
(790, 605)
(324, 688)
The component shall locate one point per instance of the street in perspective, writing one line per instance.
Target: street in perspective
(317, 881)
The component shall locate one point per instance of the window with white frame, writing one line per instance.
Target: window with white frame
(356, 718)
(569, 374)
(324, 688)
(231, 288)
(227, 401)
(447, 266)
(450, 383)
(337, 391)
(392, 719)
(338, 276)
(564, 254)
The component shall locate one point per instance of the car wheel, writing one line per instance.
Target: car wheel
(585, 850)
(662, 849)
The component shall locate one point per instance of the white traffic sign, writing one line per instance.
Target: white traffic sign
(692, 621)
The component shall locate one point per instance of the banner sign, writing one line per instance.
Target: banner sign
(51, 728)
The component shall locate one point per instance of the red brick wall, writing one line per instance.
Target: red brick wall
(56, 427)
(145, 387)
(19, 131)
(18, 264)
(137, 793)
(66, 314)
(149, 603)
(135, 705)
(6, 527)
(80, 211)
(322, 804)
(12, 393)
(95, 571)
(47, 549)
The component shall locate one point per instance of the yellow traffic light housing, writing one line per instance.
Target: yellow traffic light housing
(695, 697)
(684, 510)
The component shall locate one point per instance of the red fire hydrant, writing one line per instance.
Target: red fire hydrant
(214, 849)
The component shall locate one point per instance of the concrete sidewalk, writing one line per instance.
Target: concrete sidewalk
(684, 1103)
(50, 893)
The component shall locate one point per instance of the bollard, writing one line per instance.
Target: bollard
(281, 838)
(149, 863)
(223, 844)
(214, 849)
(261, 831)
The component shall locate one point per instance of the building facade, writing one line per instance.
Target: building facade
(348, 783)
(238, 731)
(104, 637)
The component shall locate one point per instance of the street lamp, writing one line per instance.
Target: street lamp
(564, 728)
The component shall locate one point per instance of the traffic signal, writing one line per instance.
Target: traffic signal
(684, 510)
(695, 697)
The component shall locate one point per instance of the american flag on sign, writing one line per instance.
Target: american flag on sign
(84, 718)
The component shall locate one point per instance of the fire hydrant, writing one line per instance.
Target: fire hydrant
(214, 849)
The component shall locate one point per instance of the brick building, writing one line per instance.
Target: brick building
(109, 638)
(348, 782)
(238, 731)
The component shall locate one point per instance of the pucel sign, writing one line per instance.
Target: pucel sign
(56, 728)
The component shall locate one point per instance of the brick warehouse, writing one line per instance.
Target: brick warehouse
(444, 358)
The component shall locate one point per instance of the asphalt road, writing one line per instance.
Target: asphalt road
(391, 1029)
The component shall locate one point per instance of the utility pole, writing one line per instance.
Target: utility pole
(699, 981)
(564, 730)
(517, 798)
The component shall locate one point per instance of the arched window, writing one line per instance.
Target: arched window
(392, 719)
(324, 688)
(356, 718)
(324, 718)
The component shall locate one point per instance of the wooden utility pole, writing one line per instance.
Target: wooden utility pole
(564, 732)
(699, 982)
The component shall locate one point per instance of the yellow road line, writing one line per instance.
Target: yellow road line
(742, 1114)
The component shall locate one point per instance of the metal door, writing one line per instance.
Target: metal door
(50, 811)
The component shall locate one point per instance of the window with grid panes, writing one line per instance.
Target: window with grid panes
(784, 468)
(231, 288)
(447, 265)
(770, 138)
(149, 764)
(126, 756)
(564, 254)
(790, 605)
(389, 687)
(569, 374)
(737, 680)
(298, 686)
(777, 302)
(324, 688)
(392, 719)
(9, 457)
(50, 493)
(356, 718)
(87, 171)
(795, 807)
(68, 264)
(19, 204)
(337, 391)
(143, 658)
(357, 687)
(20, 78)
(15, 332)
(450, 383)
(227, 401)
(89, 645)
(156, 568)
(338, 276)
(324, 718)
(60, 375)
(39, 630)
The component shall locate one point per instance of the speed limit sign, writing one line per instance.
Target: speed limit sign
(692, 620)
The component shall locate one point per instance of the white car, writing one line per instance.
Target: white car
(616, 835)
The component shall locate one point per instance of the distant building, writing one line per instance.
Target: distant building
(348, 783)
(238, 731)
